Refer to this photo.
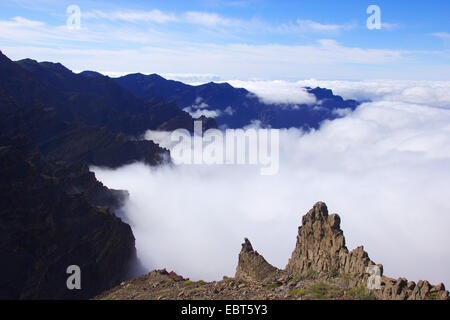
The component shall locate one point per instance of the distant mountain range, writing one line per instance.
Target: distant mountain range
(237, 107)
(54, 124)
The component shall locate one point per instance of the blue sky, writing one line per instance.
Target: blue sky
(236, 39)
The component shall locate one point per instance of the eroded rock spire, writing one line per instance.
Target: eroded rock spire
(252, 266)
(320, 253)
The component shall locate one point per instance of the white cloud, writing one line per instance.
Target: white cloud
(213, 20)
(278, 91)
(200, 109)
(319, 26)
(432, 93)
(385, 168)
(389, 25)
(132, 16)
(197, 113)
(302, 26)
(442, 35)
(342, 112)
(229, 111)
(33, 32)
(192, 77)
(23, 22)
(192, 17)
(162, 138)
(210, 19)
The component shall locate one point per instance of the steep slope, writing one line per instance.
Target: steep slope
(46, 225)
(321, 267)
(237, 107)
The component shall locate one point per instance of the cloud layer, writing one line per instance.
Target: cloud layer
(430, 93)
(278, 92)
(385, 168)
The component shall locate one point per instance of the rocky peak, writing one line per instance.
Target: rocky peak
(252, 266)
(320, 243)
(247, 246)
(320, 254)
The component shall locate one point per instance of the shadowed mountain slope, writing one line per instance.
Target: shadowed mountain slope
(47, 225)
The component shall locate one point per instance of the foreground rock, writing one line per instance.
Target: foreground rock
(160, 285)
(321, 267)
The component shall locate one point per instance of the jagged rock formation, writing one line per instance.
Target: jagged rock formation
(320, 253)
(401, 289)
(252, 266)
(320, 248)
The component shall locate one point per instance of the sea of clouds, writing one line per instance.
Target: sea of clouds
(385, 168)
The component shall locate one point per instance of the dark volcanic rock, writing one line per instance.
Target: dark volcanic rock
(44, 229)
(77, 179)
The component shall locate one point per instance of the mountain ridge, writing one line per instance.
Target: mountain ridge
(237, 107)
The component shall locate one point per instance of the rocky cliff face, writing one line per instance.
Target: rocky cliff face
(48, 223)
